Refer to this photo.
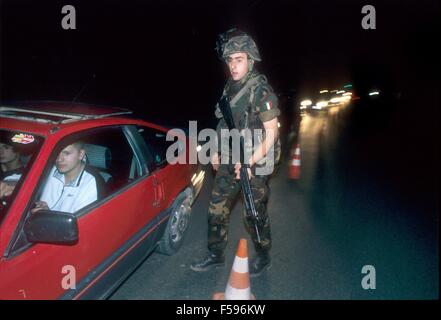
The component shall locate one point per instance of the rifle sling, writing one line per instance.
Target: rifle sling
(242, 91)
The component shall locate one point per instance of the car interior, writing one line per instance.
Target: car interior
(114, 167)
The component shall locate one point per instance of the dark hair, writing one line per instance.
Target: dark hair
(79, 145)
(11, 145)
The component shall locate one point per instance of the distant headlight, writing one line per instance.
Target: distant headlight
(322, 104)
(306, 103)
(374, 93)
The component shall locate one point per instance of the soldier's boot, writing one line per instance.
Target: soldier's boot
(260, 263)
(209, 262)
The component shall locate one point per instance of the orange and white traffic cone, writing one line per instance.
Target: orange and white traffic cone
(294, 164)
(238, 286)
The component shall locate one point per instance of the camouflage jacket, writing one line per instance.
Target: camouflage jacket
(253, 102)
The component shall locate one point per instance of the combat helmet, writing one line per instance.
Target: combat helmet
(235, 40)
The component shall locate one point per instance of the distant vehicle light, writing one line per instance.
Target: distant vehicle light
(374, 93)
(324, 91)
(322, 104)
(347, 94)
(341, 91)
(317, 107)
(335, 100)
(306, 102)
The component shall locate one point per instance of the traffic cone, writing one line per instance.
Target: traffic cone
(294, 164)
(238, 286)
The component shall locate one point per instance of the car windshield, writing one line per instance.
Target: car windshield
(18, 150)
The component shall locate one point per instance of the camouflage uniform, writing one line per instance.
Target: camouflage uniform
(252, 102)
(257, 105)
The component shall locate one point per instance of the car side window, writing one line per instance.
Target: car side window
(18, 150)
(104, 162)
(111, 165)
(156, 143)
(109, 152)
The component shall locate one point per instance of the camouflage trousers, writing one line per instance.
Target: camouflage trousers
(225, 191)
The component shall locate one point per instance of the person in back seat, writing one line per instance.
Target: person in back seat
(11, 166)
(71, 184)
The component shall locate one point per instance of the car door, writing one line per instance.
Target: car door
(171, 179)
(115, 232)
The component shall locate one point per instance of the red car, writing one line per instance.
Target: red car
(87, 254)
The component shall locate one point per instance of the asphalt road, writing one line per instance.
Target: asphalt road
(352, 207)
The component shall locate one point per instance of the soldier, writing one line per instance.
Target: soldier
(254, 106)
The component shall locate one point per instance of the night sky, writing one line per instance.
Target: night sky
(157, 57)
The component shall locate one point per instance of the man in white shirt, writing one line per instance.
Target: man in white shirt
(71, 184)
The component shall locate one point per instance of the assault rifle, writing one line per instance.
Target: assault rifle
(251, 211)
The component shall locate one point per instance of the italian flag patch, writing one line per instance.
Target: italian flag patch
(269, 105)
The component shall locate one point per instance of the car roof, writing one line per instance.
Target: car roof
(53, 112)
(48, 117)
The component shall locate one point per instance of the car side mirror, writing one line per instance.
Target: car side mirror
(52, 227)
